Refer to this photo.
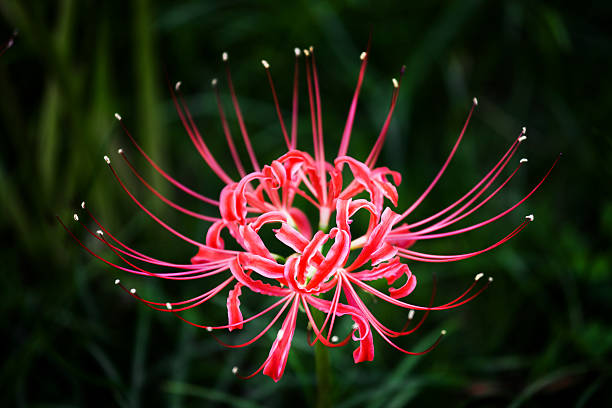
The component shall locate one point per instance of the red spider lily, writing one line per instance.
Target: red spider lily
(330, 269)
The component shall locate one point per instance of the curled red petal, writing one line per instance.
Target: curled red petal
(405, 290)
(336, 257)
(277, 359)
(254, 285)
(208, 254)
(269, 217)
(213, 235)
(234, 315)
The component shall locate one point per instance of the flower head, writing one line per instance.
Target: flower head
(329, 266)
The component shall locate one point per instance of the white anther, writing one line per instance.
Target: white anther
(132, 291)
(490, 279)
(214, 82)
(280, 334)
(209, 329)
(235, 370)
(117, 116)
(306, 52)
(410, 314)
(443, 332)
(523, 160)
(168, 306)
(99, 232)
(83, 204)
(106, 159)
(117, 281)
(355, 326)
(395, 83)
(520, 139)
(334, 339)
(177, 86)
(478, 276)
(120, 151)
(297, 51)
(224, 56)
(265, 64)
(475, 101)
(363, 55)
(524, 130)
(76, 217)
(530, 217)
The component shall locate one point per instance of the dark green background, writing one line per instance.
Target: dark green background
(541, 335)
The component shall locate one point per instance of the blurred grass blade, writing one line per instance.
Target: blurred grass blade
(210, 394)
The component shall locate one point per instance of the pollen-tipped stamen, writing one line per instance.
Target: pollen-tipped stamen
(165, 175)
(348, 127)
(226, 130)
(266, 65)
(443, 169)
(162, 197)
(243, 130)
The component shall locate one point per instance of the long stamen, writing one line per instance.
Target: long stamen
(295, 102)
(165, 175)
(226, 130)
(321, 145)
(510, 152)
(450, 156)
(331, 313)
(189, 270)
(318, 332)
(380, 328)
(413, 353)
(404, 331)
(236, 324)
(245, 135)
(86, 248)
(264, 331)
(373, 156)
(276, 104)
(149, 213)
(405, 305)
(346, 135)
(420, 256)
(313, 122)
(162, 197)
(500, 215)
(455, 217)
(194, 134)
(186, 275)
(139, 255)
(169, 307)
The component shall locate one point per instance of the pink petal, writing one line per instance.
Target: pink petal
(277, 359)
(233, 307)
(404, 290)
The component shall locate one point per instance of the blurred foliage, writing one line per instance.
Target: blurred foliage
(541, 335)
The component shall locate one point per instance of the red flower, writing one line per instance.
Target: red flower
(328, 268)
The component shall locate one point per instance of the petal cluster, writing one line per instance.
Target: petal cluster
(309, 203)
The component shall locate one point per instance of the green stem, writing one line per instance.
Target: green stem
(323, 370)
